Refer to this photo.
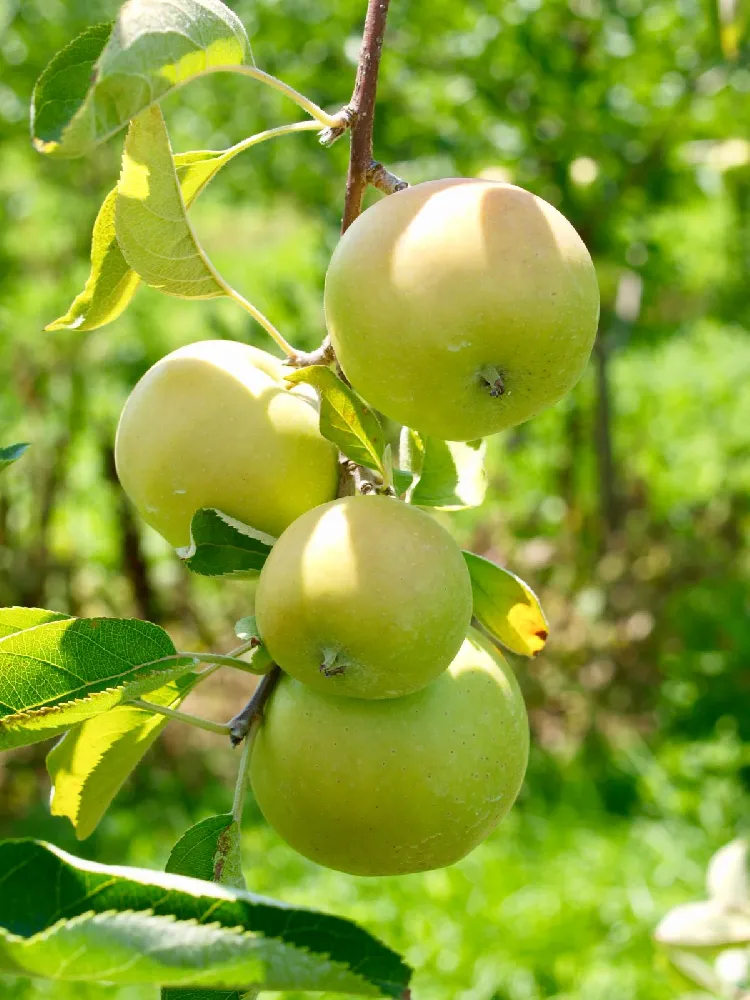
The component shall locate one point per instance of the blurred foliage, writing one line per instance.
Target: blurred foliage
(626, 507)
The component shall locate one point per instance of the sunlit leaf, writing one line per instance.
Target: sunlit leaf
(506, 607)
(451, 475)
(222, 546)
(17, 619)
(92, 88)
(345, 419)
(57, 674)
(68, 919)
(112, 282)
(11, 454)
(91, 762)
(151, 223)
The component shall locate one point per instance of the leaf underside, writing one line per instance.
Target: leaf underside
(107, 75)
(68, 919)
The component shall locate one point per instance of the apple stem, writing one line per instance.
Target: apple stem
(494, 380)
(381, 178)
(252, 713)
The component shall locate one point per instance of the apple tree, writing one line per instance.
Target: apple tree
(386, 732)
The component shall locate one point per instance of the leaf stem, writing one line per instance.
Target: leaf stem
(221, 729)
(259, 317)
(322, 117)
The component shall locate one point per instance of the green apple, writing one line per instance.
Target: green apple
(366, 597)
(460, 307)
(398, 786)
(213, 425)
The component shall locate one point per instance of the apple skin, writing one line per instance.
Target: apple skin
(434, 283)
(399, 786)
(374, 580)
(212, 425)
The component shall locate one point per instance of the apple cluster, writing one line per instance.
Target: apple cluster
(397, 737)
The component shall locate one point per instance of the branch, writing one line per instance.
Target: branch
(240, 725)
(362, 107)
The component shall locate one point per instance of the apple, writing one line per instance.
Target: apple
(365, 596)
(213, 425)
(397, 786)
(461, 307)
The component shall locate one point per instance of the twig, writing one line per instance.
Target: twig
(362, 106)
(359, 113)
(382, 179)
(240, 725)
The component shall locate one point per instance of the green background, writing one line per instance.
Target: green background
(626, 506)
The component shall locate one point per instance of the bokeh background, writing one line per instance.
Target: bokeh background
(627, 506)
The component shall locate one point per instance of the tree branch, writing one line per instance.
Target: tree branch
(362, 108)
(240, 725)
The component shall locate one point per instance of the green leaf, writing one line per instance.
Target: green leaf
(61, 90)
(450, 475)
(151, 223)
(210, 850)
(507, 607)
(91, 762)
(65, 918)
(14, 620)
(222, 546)
(247, 629)
(112, 282)
(92, 88)
(345, 419)
(11, 454)
(705, 924)
(57, 674)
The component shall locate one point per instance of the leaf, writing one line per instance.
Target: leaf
(92, 88)
(705, 924)
(345, 419)
(451, 476)
(89, 765)
(14, 620)
(68, 919)
(57, 674)
(112, 282)
(223, 546)
(60, 91)
(11, 454)
(247, 629)
(727, 878)
(507, 607)
(151, 223)
(210, 850)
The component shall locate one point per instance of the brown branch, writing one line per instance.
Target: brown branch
(239, 726)
(362, 108)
